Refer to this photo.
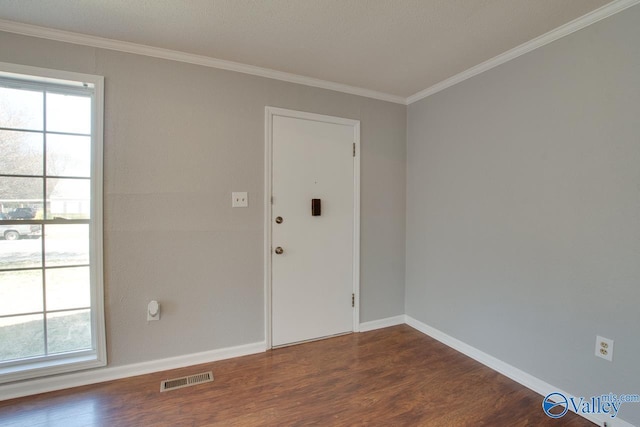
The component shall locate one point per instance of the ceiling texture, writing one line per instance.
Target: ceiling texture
(393, 47)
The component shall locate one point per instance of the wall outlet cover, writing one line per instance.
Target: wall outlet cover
(604, 348)
(239, 199)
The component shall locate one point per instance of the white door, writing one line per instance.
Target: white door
(312, 278)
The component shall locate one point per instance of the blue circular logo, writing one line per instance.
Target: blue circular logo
(555, 405)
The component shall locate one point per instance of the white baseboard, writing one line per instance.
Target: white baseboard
(59, 382)
(507, 370)
(382, 323)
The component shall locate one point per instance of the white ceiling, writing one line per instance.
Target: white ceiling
(396, 47)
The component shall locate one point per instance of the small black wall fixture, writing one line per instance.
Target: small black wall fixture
(316, 208)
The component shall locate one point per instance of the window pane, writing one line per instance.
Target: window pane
(68, 155)
(66, 245)
(68, 288)
(68, 198)
(20, 109)
(23, 254)
(21, 198)
(68, 113)
(21, 336)
(20, 292)
(69, 331)
(21, 153)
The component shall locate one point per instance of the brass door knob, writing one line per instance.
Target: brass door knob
(279, 220)
(279, 250)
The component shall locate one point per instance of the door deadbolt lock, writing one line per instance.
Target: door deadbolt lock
(279, 250)
(279, 220)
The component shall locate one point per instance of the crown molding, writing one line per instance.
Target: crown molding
(590, 18)
(553, 35)
(173, 55)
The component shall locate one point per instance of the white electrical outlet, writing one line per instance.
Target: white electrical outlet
(604, 348)
(239, 199)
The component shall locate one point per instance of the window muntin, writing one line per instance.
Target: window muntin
(51, 310)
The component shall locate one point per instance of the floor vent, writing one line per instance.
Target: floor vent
(177, 383)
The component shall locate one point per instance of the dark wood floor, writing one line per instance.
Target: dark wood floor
(389, 377)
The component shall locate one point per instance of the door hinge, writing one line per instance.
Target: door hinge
(353, 300)
(354, 149)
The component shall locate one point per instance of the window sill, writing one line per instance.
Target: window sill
(44, 368)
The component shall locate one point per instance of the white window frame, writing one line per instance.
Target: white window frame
(97, 357)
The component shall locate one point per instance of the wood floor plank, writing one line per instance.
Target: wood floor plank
(390, 377)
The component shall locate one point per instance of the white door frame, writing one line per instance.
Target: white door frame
(270, 112)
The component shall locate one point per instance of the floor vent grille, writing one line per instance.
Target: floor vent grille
(176, 383)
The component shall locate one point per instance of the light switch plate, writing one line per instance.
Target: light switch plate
(239, 199)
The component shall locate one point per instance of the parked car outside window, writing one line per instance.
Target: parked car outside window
(22, 213)
(18, 231)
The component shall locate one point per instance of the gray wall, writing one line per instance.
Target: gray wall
(523, 213)
(522, 221)
(178, 139)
